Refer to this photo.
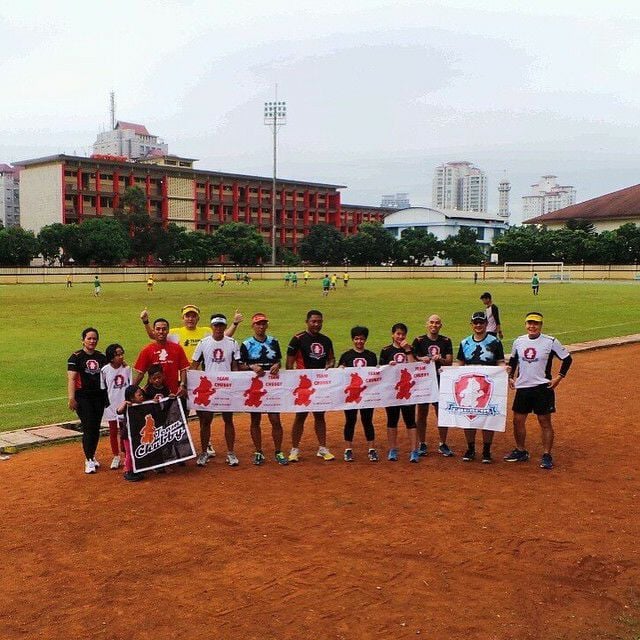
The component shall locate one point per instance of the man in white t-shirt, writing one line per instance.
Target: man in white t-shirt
(216, 353)
(532, 355)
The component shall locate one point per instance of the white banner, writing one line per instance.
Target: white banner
(313, 389)
(473, 397)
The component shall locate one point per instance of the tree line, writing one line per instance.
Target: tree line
(131, 236)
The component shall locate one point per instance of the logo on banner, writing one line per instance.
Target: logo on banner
(404, 385)
(148, 432)
(354, 389)
(472, 393)
(316, 350)
(254, 393)
(303, 391)
(203, 392)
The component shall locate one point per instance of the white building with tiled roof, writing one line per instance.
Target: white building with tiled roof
(129, 140)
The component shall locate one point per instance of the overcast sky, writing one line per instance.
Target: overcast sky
(378, 92)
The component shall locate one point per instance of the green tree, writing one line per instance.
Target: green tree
(463, 248)
(199, 248)
(629, 235)
(372, 244)
(17, 247)
(144, 231)
(580, 224)
(241, 243)
(58, 242)
(170, 245)
(323, 244)
(101, 241)
(419, 245)
(524, 243)
(287, 257)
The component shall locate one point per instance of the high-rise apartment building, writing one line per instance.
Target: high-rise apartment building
(461, 186)
(129, 140)
(504, 187)
(547, 196)
(9, 196)
(396, 201)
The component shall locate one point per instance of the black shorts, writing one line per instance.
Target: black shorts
(540, 400)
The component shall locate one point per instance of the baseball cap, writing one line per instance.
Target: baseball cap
(533, 316)
(259, 317)
(218, 318)
(190, 308)
(478, 316)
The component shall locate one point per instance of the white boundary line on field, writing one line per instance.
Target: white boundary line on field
(606, 326)
(19, 404)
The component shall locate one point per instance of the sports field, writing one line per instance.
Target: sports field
(442, 550)
(42, 323)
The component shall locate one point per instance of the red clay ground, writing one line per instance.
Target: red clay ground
(438, 550)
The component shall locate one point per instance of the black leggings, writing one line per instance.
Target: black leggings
(350, 417)
(408, 415)
(90, 412)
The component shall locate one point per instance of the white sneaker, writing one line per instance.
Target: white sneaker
(325, 454)
(89, 467)
(96, 464)
(115, 463)
(211, 452)
(202, 459)
(232, 459)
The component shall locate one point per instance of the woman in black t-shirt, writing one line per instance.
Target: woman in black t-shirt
(86, 397)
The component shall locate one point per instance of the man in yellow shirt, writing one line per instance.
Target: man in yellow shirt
(306, 275)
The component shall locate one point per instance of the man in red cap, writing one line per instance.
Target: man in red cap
(261, 354)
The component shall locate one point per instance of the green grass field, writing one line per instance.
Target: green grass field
(42, 323)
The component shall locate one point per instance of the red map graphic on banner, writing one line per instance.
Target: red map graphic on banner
(203, 392)
(254, 393)
(354, 389)
(404, 385)
(303, 391)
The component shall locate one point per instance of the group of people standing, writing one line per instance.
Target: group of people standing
(100, 383)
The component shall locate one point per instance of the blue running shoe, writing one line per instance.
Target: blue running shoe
(444, 450)
(517, 455)
(393, 455)
(547, 461)
(414, 456)
(422, 449)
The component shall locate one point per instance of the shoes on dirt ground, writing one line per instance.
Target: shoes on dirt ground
(96, 464)
(393, 455)
(281, 458)
(115, 463)
(486, 458)
(232, 459)
(517, 455)
(414, 456)
(469, 455)
(258, 458)
(547, 461)
(294, 455)
(130, 476)
(422, 449)
(325, 454)
(373, 455)
(348, 455)
(444, 450)
(89, 466)
(202, 459)
(211, 452)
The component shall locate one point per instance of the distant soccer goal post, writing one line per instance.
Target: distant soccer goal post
(523, 271)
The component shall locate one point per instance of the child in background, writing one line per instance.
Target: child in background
(133, 394)
(115, 377)
(156, 387)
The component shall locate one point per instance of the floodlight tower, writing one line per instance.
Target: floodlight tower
(275, 115)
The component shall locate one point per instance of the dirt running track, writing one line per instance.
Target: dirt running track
(439, 550)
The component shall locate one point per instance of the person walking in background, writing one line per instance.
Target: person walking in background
(535, 284)
(326, 283)
(85, 395)
(69, 281)
(97, 286)
(492, 313)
